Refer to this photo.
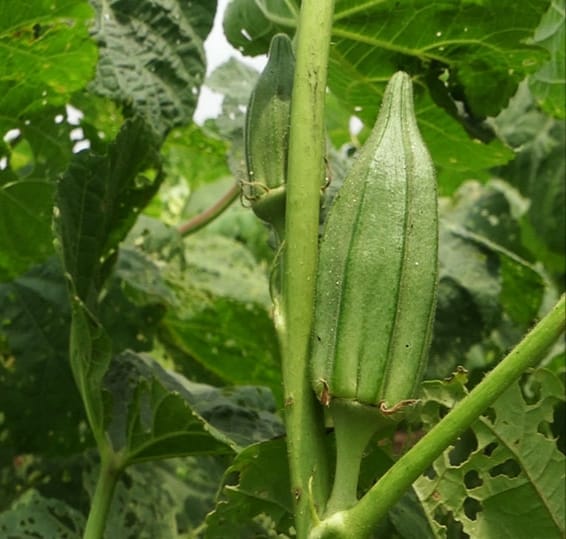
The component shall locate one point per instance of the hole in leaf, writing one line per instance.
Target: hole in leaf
(453, 527)
(472, 479)
(530, 390)
(490, 415)
(510, 468)
(559, 426)
(466, 444)
(545, 429)
(471, 508)
(430, 473)
(442, 411)
(490, 448)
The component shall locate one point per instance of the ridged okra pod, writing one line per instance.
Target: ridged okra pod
(377, 277)
(376, 285)
(266, 133)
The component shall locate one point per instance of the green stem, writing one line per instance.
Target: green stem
(360, 520)
(304, 421)
(103, 493)
(354, 426)
(202, 219)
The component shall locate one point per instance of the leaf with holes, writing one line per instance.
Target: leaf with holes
(505, 477)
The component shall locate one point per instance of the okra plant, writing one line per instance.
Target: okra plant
(333, 311)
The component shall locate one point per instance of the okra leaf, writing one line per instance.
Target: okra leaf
(164, 499)
(25, 218)
(548, 84)
(249, 25)
(153, 413)
(509, 475)
(480, 47)
(33, 515)
(46, 54)
(489, 291)
(99, 197)
(222, 323)
(255, 498)
(97, 201)
(152, 57)
(538, 173)
(39, 147)
(40, 404)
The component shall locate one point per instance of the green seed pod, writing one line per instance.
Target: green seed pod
(266, 135)
(377, 277)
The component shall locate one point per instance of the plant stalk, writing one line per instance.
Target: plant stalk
(354, 426)
(360, 520)
(305, 173)
(202, 219)
(102, 499)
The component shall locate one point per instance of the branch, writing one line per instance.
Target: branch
(360, 520)
(208, 215)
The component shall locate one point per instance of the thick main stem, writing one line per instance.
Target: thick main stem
(362, 518)
(304, 422)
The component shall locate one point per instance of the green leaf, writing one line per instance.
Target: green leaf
(158, 414)
(39, 150)
(46, 53)
(25, 218)
(152, 56)
(235, 81)
(162, 499)
(97, 201)
(508, 480)
(549, 82)
(481, 274)
(33, 516)
(223, 322)
(255, 496)
(480, 44)
(538, 171)
(39, 403)
(193, 158)
(249, 25)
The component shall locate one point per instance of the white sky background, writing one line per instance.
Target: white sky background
(218, 50)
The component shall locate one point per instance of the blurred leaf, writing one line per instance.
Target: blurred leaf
(538, 171)
(40, 147)
(97, 201)
(480, 276)
(39, 403)
(249, 24)
(158, 414)
(509, 476)
(158, 499)
(25, 219)
(235, 81)
(549, 82)
(152, 56)
(33, 516)
(223, 321)
(46, 54)
(100, 196)
(193, 158)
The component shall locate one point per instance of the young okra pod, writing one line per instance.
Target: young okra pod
(377, 276)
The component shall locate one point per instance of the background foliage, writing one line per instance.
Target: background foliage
(172, 342)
